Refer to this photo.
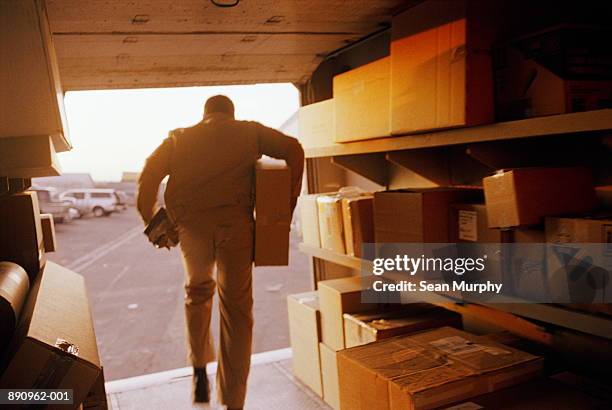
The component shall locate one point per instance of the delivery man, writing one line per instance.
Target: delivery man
(209, 196)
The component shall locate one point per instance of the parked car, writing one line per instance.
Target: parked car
(121, 200)
(50, 203)
(100, 202)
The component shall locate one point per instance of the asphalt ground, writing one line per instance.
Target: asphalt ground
(136, 294)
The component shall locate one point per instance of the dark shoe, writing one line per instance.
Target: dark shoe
(201, 391)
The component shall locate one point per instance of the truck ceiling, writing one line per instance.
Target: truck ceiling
(158, 43)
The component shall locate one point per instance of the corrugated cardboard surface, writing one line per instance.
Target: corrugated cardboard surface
(48, 229)
(329, 375)
(542, 394)
(272, 213)
(336, 297)
(358, 221)
(309, 220)
(331, 227)
(316, 124)
(441, 66)
(361, 98)
(21, 235)
(524, 196)
(58, 308)
(428, 369)
(469, 224)
(305, 335)
(364, 328)
(576, 230)
(416, 216)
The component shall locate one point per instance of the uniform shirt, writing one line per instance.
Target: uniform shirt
(212, 164)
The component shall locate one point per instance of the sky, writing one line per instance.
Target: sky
(115, 130)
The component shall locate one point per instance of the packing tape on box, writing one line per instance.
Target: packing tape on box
(57, 366)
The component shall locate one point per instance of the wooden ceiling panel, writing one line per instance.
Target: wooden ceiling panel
(109, 45)
(163, 16)
(185, 70)
(160, 43)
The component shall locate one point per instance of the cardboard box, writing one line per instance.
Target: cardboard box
(272, 213)
(358, 222)
(48, 230)
(560, 231)
(21, 235)
(316, 124)
(469, 224)
(32, 97)
(524, 196)
(361, 102)
(55, 346)
(309, 215)
(417, 216)
(547, 73)
(331, 227)
(364, 328)
(337, 297)
(579, 230)
(329, 375)
(305, 335)
(428, 369)
(28, 157)
(541, 394)
(440, 54)
(528, 268)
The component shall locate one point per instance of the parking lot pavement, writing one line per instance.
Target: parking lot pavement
(136, 294)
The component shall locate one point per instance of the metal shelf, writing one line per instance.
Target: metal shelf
(588, 121)
(583, 322)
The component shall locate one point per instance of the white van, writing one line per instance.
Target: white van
(100, 202)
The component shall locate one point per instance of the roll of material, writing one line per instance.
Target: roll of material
(14, 287)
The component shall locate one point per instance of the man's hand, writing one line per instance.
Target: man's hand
(168, 240)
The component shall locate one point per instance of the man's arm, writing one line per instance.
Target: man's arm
(157, 166)
(278, 145)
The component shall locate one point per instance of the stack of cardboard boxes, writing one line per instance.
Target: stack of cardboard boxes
(53, 345)
(346, 360)
(327, 321)
(340, 222)
(441, 52)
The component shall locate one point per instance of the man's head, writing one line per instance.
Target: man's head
(219, 104)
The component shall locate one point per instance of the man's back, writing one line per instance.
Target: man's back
(212, 165)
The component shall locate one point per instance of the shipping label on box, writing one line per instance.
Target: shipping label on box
(272, 213)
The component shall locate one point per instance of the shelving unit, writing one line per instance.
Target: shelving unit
(554, 125)
(503, 314)
(463, 156)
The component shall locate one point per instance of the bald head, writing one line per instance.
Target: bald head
(219, 104)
